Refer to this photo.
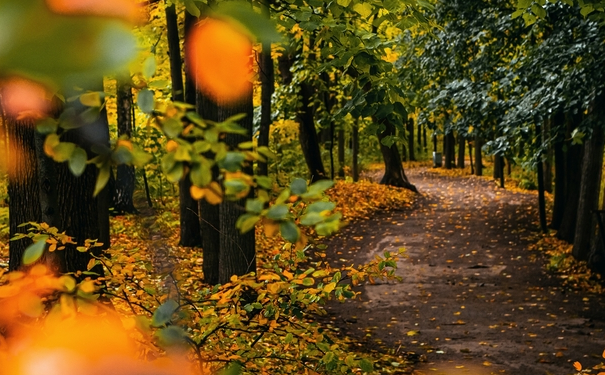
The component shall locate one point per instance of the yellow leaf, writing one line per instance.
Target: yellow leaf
(288, 275)
(270, 227)
(330, 287)
(412, 333)
(196, 192)
(171, 146)
(269, 276)
(214, 193)
(273, 288)
(87, 286)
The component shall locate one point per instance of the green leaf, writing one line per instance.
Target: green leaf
(321, 206)
(307, 281)
(34, 251)
(258, 26)
(91, 99)
(539, 11)
(298, 186)
(149, 67)
(172, 336)
(77, 161)
(163, 314)
(47, 126)
(192, 8)
(366, 366)
(102, 179)
(312, 218)
(364, 9)
(62, 152)
(289, 231)
(343, 3)
(232, 161)
(246, 222)
(201, 174)
(523, 4)
(255, 205)
(278, 212)
(517, 13)
(145, 101)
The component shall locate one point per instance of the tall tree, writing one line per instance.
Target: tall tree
(237, 251)
(188, 207)
(267, 79)
(125, 176)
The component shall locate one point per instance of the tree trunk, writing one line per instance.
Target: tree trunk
(410, 128)
(355, 150)
(190, 235)
(449, 151)
(209, 214)
(174, 52)
(82, 215)
(541, 201)
(237, 251)
(588, 201)
(498, 160)
(341, 152)
(424, 136)
(560, 172)
(573, 176)
(394, 174)
(125, 178)
(267, 79)
(547, 164)
(470, 156)
(419, 137)
(461, 148)
(478, 159)
(308, 134)
(23, 186)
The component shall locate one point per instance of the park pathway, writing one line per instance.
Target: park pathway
(474, 299)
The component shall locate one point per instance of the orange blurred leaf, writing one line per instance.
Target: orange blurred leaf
(220, 59)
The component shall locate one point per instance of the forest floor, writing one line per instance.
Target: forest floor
(474, 299)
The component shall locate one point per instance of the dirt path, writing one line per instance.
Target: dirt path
(473, 299)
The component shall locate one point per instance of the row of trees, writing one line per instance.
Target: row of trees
(523, 82)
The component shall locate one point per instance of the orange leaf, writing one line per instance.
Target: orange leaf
(577, 366)
(220, 59)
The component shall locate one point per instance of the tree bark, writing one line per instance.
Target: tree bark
(174, 52)
(23, 186)
(541, 201)
(419, 137)
(547, 164)
(355, 151)
(82, 215)
(410, 128)
(470, 156)
(237, 251)
(461, 148)
(573, 176)
(560, 171)
(478, 158)
(341, 152)
(308, 134)
(191, 235)
(449, 151)
(125, 177)
(588, 200)
(267, 79)
(209, 214)
(394, 174)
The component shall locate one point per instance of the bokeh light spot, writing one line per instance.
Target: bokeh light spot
(219, 57)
